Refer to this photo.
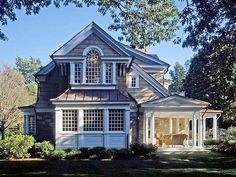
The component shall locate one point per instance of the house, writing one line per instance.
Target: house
(97, 91)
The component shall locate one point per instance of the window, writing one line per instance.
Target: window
(121, 69)
(93, 67)
(108, 73)
(31, 124)
(69, 120)
(78, 73)
(116, 120)
(133, 81)
(93, 120)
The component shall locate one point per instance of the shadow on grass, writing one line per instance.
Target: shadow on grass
(178, 165)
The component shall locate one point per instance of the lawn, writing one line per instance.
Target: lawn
(185, 164)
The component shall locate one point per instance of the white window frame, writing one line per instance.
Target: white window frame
(26, 123)
(115, 131)
(133, 75)
(66, 131)
(102, 119)
(108, 74)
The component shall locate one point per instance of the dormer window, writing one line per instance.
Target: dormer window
(93, 67)
(133, 81)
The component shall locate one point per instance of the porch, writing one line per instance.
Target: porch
(177, 122)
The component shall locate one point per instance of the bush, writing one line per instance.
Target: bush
(122, 154)
(85, 153)
(73, 154)
(16, 146)
(43, 149)
(57, 155)
(138, 149)
(211, 142)
(229, 144)
(100, 153)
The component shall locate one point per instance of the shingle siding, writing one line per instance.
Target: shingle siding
(93, 39)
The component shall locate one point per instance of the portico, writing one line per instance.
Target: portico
(176, 121)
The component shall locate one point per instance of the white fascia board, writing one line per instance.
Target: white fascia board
(92, 87)
(55, 102)
(59, 58)
(166, 106)
(86, 106)
(77, 39)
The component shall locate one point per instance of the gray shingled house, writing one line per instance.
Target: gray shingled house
(99, 92)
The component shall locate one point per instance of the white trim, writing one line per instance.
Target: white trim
(113, 73)
(93, 86)
(91, 47)
(72, 73)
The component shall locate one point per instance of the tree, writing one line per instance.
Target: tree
(29, 67)
(141, 22)
(207, 20)
(177, 75)
(13, 93)
(212, 77)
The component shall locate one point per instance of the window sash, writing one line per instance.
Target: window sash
(116, 120)
(108, 68)
(77, 73)
(93, 120)
(69, 120)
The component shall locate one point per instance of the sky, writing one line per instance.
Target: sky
(40, 35)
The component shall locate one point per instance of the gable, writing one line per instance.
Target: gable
(93, 39)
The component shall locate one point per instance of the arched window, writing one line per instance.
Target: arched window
(93, 67)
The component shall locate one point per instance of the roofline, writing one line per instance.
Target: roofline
(68, 102)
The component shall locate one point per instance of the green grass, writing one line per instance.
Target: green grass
(197, 164)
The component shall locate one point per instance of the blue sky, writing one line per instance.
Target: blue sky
(40, 35)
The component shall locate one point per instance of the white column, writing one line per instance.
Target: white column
(103, 72)
(113, 73)
(194, 131)
(84, 72)
(106, 128)
(72, 73)
(58, 126)
(145, 128)
(170, 126)
(177, 125)
(204, 128)
(127, 126)
(186, 126)
(200, 143)
(152, 129)
(214, 127)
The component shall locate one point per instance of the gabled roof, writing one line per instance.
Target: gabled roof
(144, 56)
(86, 32)
(176, 101)
(92, 96)
(153, 82)
(46, 69)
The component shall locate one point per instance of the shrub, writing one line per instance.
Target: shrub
(211, 142)
(57, 155)
(138, 149)
(16, 146)
(73, 154)
(229, 144)
(85, 153)
(122, 154)
(100, 153)
(43, 149)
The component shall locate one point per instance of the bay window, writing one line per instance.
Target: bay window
(93, 120)
(69, 120)
(116, 120)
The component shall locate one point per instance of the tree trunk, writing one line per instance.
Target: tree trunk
(3, 133)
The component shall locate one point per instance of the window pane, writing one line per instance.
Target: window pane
(69, 120)
(78, 73)
(133, 81)
(93, 120)
(93, 71)
(116, 120)
(108, 73)
(31, 124)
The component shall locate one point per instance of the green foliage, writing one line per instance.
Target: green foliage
(177, 75)
(28, 67)
(145, 150)
(122, 154)
(229, 144)
(85, 153)
(57, 155)
(43, 149)
(16, 146)
(73, 154)
(211, 142)
(141, 22)
(100, 153)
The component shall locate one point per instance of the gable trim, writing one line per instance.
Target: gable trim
(155, 84)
